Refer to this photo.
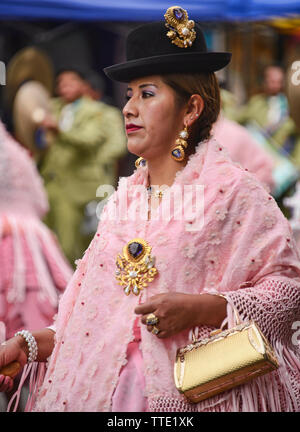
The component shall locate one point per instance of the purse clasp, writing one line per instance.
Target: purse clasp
(215, 332)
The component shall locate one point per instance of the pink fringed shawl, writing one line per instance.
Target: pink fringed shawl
(245, 250)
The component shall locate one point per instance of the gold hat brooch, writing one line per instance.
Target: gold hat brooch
(181, 29)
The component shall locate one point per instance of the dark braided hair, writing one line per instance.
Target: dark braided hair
(206, 85)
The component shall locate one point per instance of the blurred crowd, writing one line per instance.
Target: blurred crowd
(75, 138)
(269, 142)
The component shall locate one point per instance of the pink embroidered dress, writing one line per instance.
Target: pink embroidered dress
(245, 250)
(33, 271)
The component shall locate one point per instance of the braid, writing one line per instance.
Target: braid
(206, 85)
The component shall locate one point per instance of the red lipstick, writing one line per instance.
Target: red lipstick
(132, 128)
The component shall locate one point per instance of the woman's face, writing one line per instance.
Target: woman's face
(152, 118)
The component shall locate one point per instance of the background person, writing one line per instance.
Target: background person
(114, 147)
(242, 147)
(33, 269)
(76, 162)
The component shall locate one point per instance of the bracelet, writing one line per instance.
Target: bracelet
(32, 345)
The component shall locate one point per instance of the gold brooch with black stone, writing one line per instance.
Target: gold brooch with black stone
(181, 29)
(135, 268)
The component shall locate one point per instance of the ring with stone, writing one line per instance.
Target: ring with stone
(155, 330)
(151, 319)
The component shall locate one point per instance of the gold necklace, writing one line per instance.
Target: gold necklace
(158, 193)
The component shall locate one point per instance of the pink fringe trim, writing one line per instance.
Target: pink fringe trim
(36, 372)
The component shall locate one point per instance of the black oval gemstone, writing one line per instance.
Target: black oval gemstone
(177, 153)
(135, 249)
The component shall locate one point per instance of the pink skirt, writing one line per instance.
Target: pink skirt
(35, 311)
(129, 395)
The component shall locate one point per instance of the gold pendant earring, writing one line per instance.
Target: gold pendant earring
(140, 162)
(178, 153)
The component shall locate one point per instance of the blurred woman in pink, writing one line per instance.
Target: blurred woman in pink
(243, 149)
(33, 270)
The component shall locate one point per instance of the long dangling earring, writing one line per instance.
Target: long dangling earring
(140, 162)
(178, 153)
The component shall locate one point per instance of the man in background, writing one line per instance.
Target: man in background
(87, 140)
(114, 147)
(268, 112)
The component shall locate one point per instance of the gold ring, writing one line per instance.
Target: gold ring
(151, 319)
(155, 330)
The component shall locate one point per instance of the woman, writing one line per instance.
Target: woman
(245, 150)
(34, 272)
(105, 353)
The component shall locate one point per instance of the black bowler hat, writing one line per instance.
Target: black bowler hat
(161, 47)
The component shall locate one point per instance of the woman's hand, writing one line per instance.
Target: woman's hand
(177, 312)
(10, 351)
(6, 228)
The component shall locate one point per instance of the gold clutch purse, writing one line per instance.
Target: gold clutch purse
(225, 360)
